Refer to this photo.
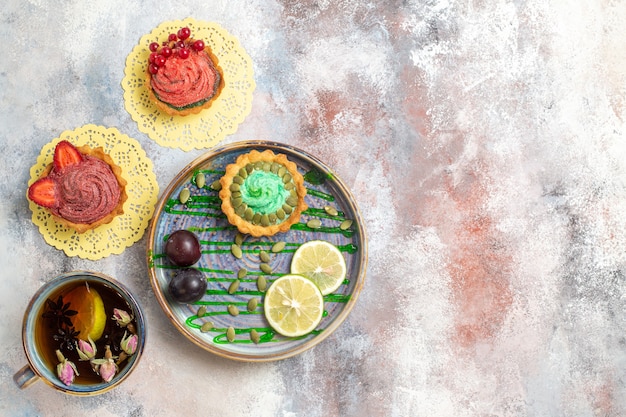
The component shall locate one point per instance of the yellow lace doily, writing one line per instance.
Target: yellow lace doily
(207, 128)
(142, 190)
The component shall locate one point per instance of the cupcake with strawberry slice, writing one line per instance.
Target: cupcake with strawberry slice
(183, 74)
(82, 188)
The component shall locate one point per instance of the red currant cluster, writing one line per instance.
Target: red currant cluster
(177, 43)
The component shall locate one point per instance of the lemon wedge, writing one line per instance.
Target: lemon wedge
(91, 316)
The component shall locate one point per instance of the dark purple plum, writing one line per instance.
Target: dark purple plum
(188, 285)
(182, 248)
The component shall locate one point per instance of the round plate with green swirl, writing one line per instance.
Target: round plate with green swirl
(246, 334)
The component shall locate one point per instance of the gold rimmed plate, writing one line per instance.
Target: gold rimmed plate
(202, 215)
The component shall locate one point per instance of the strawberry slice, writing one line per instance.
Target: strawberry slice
(65, 154)
(43, 192)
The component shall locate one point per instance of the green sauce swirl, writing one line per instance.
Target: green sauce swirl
(264, 192)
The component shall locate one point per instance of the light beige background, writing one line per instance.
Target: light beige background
(485, 143)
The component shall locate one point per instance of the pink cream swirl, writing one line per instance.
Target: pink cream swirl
(182, 82)
(87, 191)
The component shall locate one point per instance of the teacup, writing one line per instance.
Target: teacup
(83, 334)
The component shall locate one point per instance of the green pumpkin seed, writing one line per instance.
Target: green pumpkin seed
(239, 211)
(258, 165)
(287, 208)
(314, 223)
(242, 273)
(264, 256)
(278, 246)
(266, 268)
(238, 238)
(234, 286)
(272, 218)
(280, 213)
(346, 224)
(233, 310)
(286, 178)
(261, 283)
(290, 186)
(274, 168)
(234, 187)
(200, 180)
(249, 168)
(184, 195)
(256, 219)
(230, 334)
(236, 202)
(292, 201)
(248, 214)
(236, 251)
(216, 185)
(237, 180)
(252, 304)
(243, 173)
(267, 166)
(254, 336)
(281, 171)
(207, 326)
(201, 311)
(265, 220)
(331, 210)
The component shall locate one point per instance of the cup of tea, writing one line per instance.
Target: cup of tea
(83, 334)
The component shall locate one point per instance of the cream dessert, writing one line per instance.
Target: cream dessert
(262, 193)
(183, 74)
(82, 188)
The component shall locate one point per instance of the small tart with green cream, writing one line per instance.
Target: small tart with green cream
(262, 193)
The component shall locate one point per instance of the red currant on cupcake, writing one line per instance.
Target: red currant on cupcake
(178, 44)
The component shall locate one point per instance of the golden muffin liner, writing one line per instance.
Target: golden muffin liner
(208, 127)
(141, 189)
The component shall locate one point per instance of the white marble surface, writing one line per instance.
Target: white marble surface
(485, 143)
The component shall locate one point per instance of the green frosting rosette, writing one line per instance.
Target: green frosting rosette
(262, 193)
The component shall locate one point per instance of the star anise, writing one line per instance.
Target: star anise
(59, 312)
(67, 338)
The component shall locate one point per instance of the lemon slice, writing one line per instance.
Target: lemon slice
(322, 263)
(91, 317)
(293, 305)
